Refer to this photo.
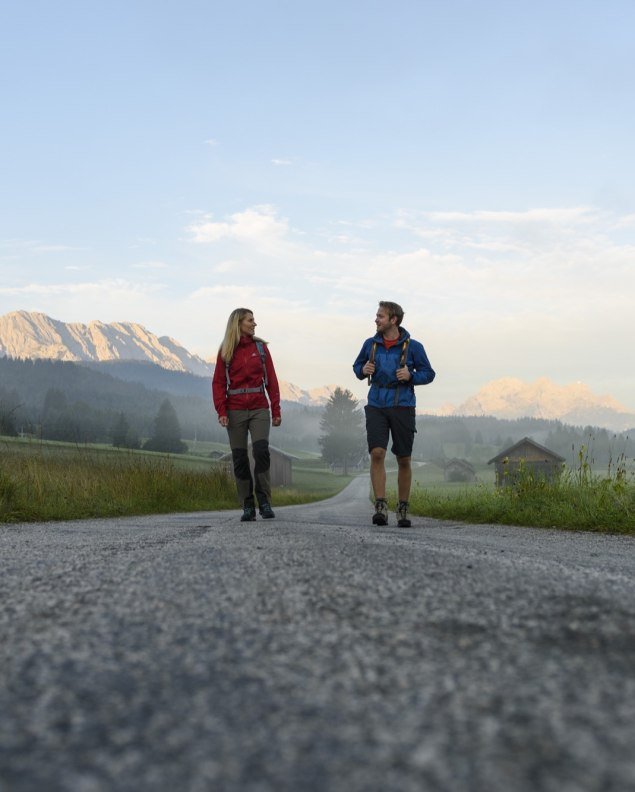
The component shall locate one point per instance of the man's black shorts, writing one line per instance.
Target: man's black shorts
(398, 421)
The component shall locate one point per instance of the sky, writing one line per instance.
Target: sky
(166, 161)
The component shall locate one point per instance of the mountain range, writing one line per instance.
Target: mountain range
(573, 404)
(32, 335)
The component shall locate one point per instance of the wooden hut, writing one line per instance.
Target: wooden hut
(459, 470)
(531, 456)
(281, 470)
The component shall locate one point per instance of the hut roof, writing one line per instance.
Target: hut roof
(526, 440)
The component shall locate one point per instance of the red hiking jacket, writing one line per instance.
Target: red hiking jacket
(245, 371)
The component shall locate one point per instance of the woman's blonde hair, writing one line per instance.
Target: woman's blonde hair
(232, 333)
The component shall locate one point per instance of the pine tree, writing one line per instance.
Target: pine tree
(167, 431)
(120, 431)
(343, 441)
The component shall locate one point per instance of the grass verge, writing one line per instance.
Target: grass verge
(41, 482)
(604, 504)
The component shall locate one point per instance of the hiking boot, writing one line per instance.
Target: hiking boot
(266, 511)
(249, 514)
(402, 515)
(381, 512)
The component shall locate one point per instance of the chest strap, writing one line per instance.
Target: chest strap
(236, 391)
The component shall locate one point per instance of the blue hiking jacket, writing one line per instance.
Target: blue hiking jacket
(384, 390)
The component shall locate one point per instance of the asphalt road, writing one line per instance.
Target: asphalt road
(313, 652)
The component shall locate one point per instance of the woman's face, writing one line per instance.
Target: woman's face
(248, 325)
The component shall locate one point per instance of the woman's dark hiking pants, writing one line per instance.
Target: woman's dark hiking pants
(254, 423)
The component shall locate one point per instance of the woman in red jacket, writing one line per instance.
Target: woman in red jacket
(243, 377)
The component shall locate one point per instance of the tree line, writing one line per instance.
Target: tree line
(68, 401)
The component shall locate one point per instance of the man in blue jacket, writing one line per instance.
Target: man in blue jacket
(394, 363)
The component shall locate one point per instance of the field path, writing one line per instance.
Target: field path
(313, 652)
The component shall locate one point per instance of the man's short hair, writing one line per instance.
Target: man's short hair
(393, 310)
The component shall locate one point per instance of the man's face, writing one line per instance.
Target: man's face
(382, 320)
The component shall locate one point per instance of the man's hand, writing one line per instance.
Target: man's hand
(403, 375)
(223, 420)
(368, 368)
(276, 421)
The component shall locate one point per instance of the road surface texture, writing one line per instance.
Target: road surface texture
(315, 652)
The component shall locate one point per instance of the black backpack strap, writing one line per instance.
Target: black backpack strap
(371, 359)
(402, 363)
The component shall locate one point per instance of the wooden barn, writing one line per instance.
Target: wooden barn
(281, 470)
(281, 467)
(459, 470)
(537, 459)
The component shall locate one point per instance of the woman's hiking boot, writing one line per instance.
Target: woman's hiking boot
(266, 511)
(403, 521)
(249, 514)
(381, 512)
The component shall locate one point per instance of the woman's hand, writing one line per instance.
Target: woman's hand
(223, 420)
(276, 421)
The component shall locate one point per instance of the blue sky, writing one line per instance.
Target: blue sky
(164, 162)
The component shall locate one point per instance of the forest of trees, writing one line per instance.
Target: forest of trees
(68, 401)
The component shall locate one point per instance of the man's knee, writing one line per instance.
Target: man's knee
(377, 454)
(404, 462)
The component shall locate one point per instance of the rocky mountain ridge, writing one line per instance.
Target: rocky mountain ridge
(575, 403)
(32, 335)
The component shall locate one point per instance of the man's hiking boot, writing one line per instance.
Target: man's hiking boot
(249, 514)
(266, 511)
(381, 512)
(403, 520)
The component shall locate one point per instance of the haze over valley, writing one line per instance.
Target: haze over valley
(33, 335)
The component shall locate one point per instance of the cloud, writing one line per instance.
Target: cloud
(150, 265)
(36, 246)
(211, 142)
(255, 224)
(547, 292)
(282, 161)
(112, 286)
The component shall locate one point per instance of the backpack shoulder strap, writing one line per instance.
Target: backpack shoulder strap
(371, 359)
(404, 353)
(263, 359)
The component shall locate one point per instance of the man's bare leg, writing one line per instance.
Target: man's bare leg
(378, 472)
(404, 478)
(404, 481)
(378, 481)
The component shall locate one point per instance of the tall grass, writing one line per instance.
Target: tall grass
(47, 487)
(59, 481)
(576, 500)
